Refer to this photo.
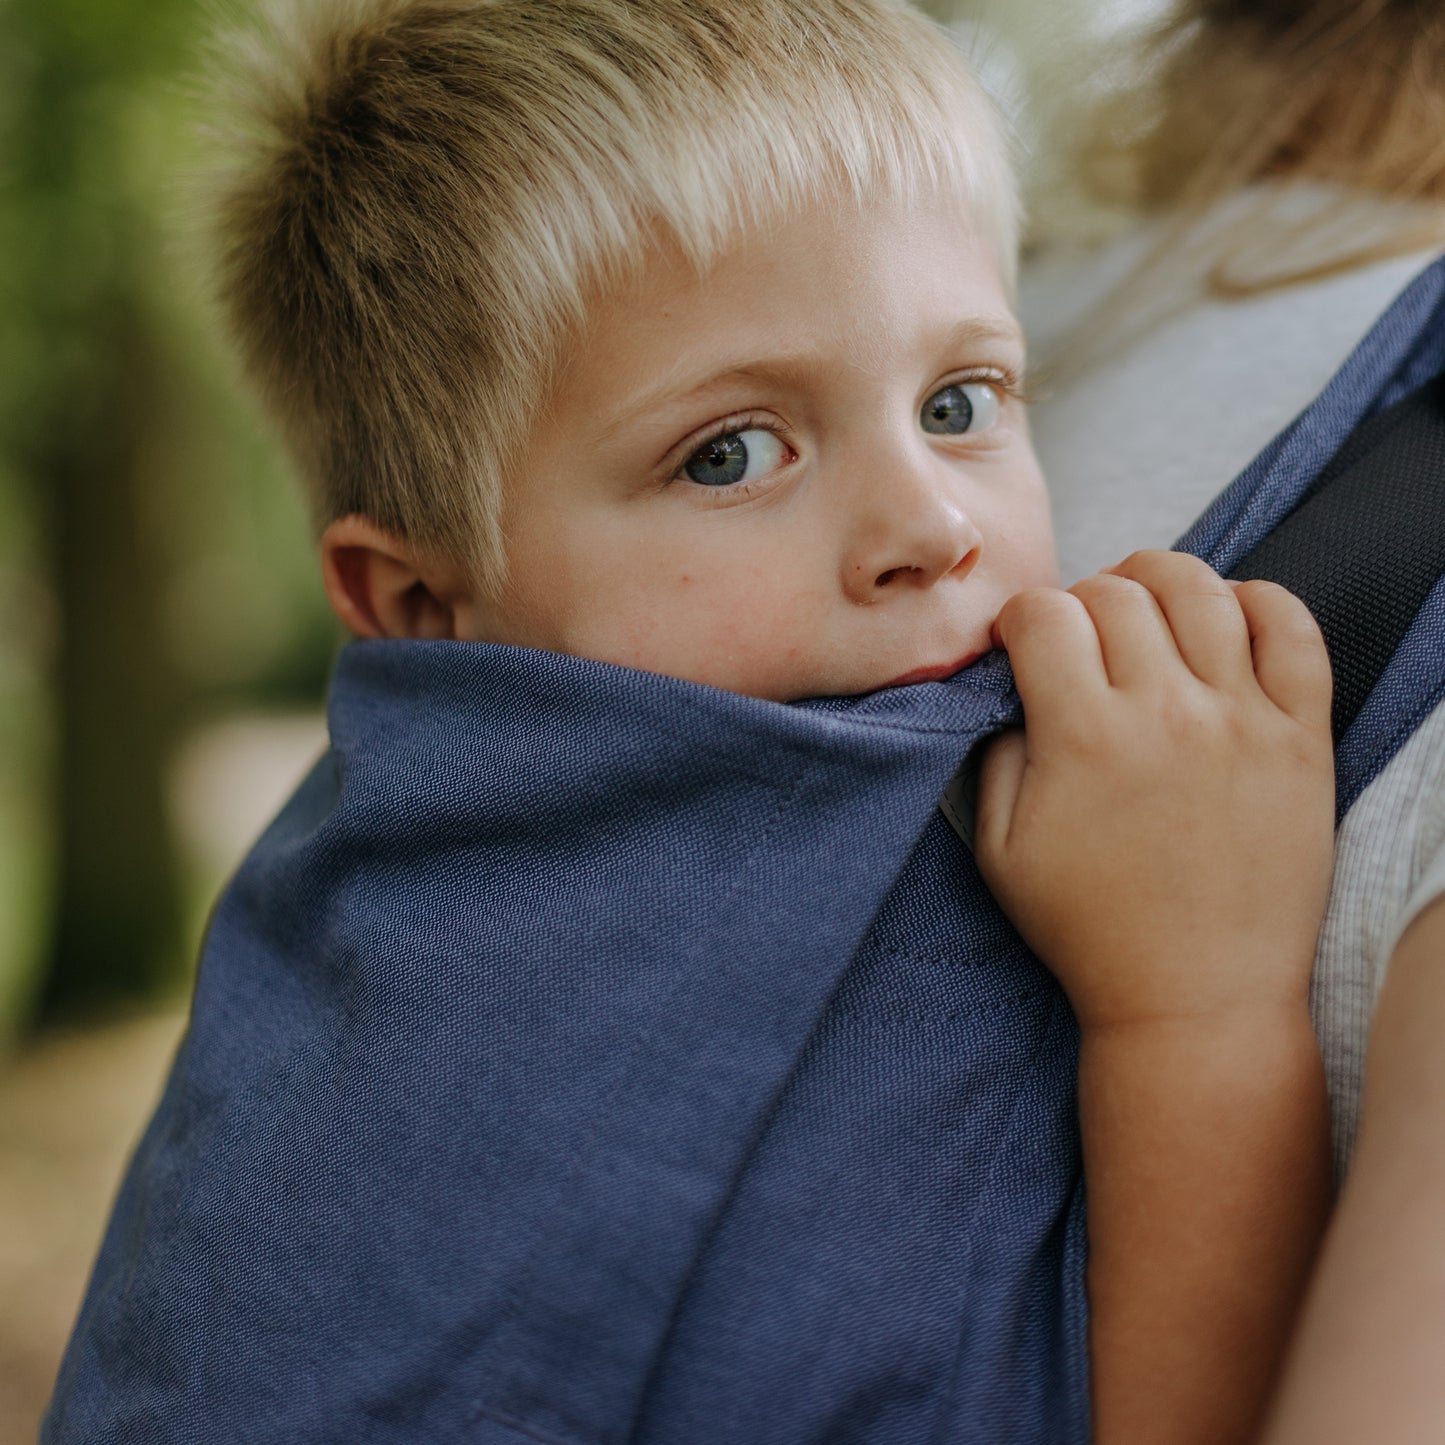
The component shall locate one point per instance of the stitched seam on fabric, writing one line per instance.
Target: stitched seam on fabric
(859, 1021)
(1076, 1291)
(509, 1422)
(586, 1147)
(1001, 715)
(938, 1434)
(944, 958)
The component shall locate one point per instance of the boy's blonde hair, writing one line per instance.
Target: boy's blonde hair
(430, 191)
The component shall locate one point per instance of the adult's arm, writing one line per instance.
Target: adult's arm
(1366, 1364)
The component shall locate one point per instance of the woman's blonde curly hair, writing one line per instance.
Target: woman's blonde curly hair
(1225, 93)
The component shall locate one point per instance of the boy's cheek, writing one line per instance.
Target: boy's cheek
(1026, 540)
(739, 632)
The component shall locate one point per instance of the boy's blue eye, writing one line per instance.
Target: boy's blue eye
(970, 406)
(742, 456)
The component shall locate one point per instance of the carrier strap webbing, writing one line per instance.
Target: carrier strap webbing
(1366, 543)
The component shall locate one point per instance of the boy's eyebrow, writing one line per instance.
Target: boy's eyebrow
(974, 331)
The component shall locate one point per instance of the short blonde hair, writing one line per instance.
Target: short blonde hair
(422, 195)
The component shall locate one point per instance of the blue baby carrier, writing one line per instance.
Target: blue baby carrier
(589, 1056)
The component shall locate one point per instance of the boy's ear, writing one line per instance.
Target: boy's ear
(382, 586)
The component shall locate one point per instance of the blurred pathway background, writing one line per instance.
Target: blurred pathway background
(70, 1108)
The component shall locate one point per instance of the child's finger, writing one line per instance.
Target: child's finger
(1290, 660)
(1054, 650)
(1134, 636)
(1202, 611)
(1000, 776)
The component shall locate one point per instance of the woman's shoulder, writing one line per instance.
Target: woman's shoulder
(1157, 387)
(1267, 251)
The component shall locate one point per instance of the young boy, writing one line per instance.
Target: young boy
(677, 338)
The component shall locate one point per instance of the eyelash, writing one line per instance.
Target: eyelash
(1009, 383)
(728, 426)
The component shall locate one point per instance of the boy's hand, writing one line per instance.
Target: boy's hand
(1161, 831)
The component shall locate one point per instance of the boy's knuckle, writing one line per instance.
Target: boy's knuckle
(1017, 608)
(1172, 572)
(1081, 737)
(1108, 589)
(1144, 559)
(1262, 588)
(1277, 604)
(1038, 609)
(1107, 736)
(1185, 714)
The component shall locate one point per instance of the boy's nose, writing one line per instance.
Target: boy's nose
(923, 538)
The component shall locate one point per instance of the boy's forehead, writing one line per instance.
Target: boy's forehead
(785, 367)
(792, 295)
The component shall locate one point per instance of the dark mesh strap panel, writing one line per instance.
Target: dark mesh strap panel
(1366, 543)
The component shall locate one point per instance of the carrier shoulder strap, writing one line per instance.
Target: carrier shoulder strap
(1365, 545)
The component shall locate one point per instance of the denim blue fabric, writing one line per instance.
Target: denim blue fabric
(585, 1055)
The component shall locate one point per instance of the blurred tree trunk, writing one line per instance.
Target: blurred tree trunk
(93, 405)
(117, 914)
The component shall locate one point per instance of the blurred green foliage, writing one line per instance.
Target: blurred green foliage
(154, 563)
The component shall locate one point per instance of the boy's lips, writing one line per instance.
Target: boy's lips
(936, 674)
